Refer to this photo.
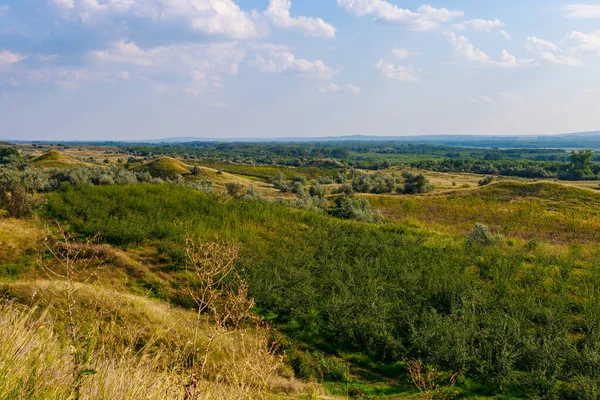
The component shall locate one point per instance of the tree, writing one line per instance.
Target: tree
(581, 162)
(8, 153)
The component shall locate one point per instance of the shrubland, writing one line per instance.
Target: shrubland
(510, 316)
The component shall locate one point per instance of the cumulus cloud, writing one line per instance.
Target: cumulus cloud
(279, 60)
(505, 34)
(279, 14)
(7, 58)
(218, 17)
(463, 46)
(425, 18)
(585, 42)
(481, 25)
(550, 52)
(3, 9)
(334, 88)
(585, 11)
(534, 42)
(193, 59)
(397, 72)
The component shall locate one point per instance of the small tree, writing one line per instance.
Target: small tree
(486, 181)
(233, 189)
(481, 235)
(316, 190)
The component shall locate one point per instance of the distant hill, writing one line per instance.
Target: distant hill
(55, 159)
(164, 167)
(574, 140)
(567, 140)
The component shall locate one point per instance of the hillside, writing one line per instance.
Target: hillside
(55, 159)
(164, 167)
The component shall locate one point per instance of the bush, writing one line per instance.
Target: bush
(233, 189)
(416, 183)
(486, 181)
(481, 235)
(251, 194)
(357, 208)
(316, 190)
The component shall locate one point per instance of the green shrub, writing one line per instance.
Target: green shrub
(233, 189)
(481, 235)
(486, 181)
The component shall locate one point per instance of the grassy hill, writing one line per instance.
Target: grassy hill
(55, 159)
(164, 167)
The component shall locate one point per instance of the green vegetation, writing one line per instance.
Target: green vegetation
(512, 318)
(165, 167)
(381, 281)
(55, 159)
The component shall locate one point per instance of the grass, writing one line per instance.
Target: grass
(164, 167)
(139, 349)
(55, 159)
(557, 213)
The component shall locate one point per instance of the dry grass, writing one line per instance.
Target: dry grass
(18, 237)
(141, 351)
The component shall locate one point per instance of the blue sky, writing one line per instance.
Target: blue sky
(141, 69)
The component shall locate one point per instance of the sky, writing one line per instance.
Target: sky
(147, 69)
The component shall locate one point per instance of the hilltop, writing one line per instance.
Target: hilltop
(164, 167)
(55, 159)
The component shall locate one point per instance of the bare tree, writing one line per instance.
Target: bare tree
(72, 264)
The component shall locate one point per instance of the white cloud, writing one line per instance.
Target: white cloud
(402, 54)
(3, 9)
(333, 88)
(124, 75)
(279, 14)
(482, 99)
(218, 17)
(279, 60)
(511, 96)
(586, 42)
(218, 104)
(586, 11)
(188, 61)
(550, 53)
(593, 91)
(510, 61)
(561, 60)
(505, 34)
(397, 72)
(7, 58)
(466, 49)
(481, 25)
(425, 18)
(541, 44)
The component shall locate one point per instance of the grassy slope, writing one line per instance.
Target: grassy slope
(164, 167)
(144, 343)
(550, 211)
(55, 159)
